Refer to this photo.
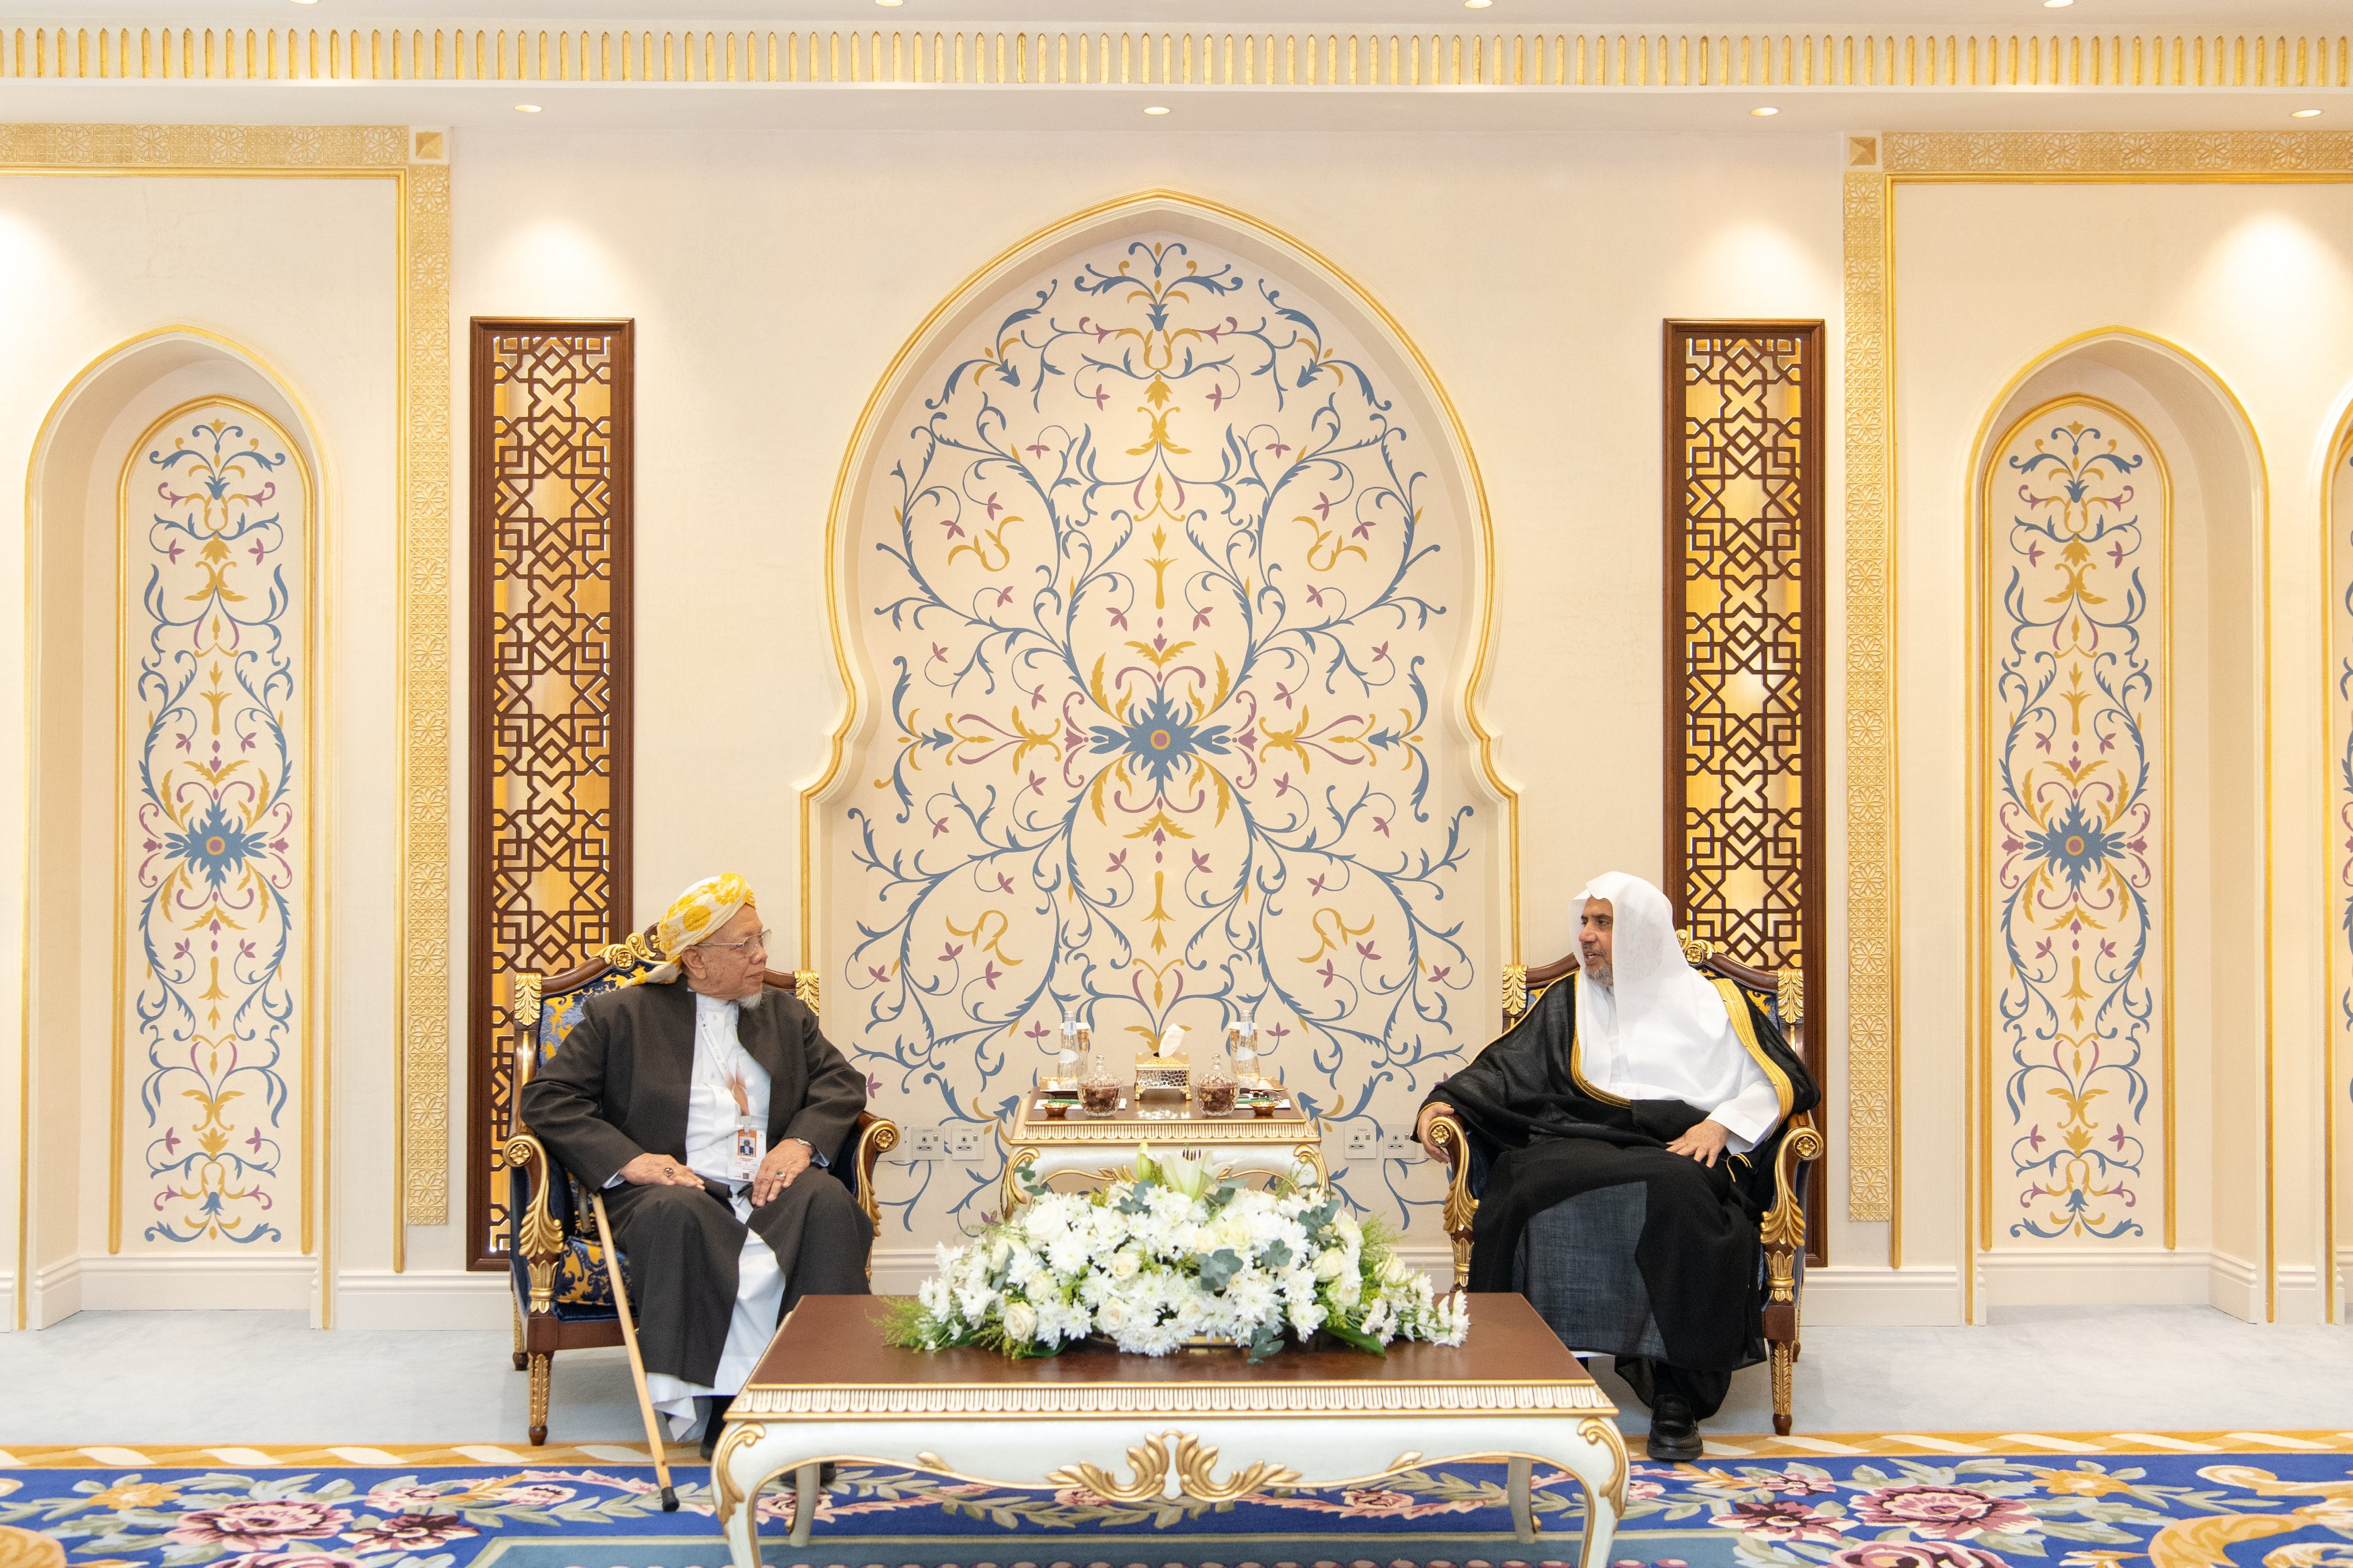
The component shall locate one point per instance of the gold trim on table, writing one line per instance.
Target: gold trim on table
(859, 1402)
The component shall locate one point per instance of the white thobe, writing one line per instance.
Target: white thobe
(710, 1113)
(1717, 1076)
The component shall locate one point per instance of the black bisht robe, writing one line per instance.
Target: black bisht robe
(1541, 1134)
(617, 1087)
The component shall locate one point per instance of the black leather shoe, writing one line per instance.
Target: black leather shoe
(1674, 1436)
(711, 1429)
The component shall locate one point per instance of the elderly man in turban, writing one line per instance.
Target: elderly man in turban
(1615, 1123)
(710, 1107)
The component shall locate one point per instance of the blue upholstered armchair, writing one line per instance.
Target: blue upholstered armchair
(562, 1296)
(1788, 1154)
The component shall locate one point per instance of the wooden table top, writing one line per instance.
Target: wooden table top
(829, 1358)
(1163, 1118)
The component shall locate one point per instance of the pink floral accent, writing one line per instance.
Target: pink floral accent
(409, 1532)
(1915, 1554)
(289, 1560)
(1950, 1513)
(1781, 1521)
(540, 1496)
(256, 1525)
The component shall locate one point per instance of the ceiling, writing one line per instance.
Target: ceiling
(1433, 14)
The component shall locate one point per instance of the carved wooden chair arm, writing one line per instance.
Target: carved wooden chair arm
(1461, 1208)
(877, 1136)
(1783, 1230)
(539, 1234)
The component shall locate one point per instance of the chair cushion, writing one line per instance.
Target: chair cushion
(583, 1291)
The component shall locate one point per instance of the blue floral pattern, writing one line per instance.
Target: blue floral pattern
(1157, 578)
(215, 846)
(2075, 544)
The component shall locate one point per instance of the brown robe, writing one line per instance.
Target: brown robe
(617, 1087)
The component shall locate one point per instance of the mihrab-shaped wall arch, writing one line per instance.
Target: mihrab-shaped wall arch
(175, 500)
(1161, 572)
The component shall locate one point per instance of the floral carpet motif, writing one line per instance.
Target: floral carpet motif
(1997, 1511)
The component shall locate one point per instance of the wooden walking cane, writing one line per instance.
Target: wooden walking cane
(637, 1362)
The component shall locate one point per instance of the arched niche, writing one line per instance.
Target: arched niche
(176, 501)
(1160, 575)
(2119, 860)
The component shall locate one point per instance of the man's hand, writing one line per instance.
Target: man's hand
(788, 1159)
(1703, 1143)
(1430, 1113)
(659, 1171)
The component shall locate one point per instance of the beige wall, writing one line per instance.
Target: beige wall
(296, 276)
(773, 275)
(2254, 282)
(773, 278)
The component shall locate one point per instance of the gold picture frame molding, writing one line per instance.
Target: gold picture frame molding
(414, 161)
(1877, 164)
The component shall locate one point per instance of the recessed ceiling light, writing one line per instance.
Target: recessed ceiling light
(1763, 112)
(1158, 108)
(306, 2)
(2056, 5)
(889, 2)
(2304, 113)
(526, 109)
(1478, 4)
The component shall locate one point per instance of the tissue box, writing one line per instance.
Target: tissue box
(1164, 1072)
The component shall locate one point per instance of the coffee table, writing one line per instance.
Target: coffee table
(1204, 1425)
(1047, 1144)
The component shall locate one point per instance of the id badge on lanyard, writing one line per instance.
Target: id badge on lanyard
(751, 1146)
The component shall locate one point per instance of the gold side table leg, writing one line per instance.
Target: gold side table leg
(805, 1492)
(1524, 1513)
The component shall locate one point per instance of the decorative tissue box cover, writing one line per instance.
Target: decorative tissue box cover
(1164, 1072)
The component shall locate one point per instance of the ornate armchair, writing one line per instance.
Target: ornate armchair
(1796, 1145)
(562, 1299)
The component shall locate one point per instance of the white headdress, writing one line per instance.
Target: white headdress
(1672, 1029)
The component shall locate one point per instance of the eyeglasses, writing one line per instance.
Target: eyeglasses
(758, 939)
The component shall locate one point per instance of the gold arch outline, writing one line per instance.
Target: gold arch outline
(962, 295)
(1872, 516)
(312, 1114)
(318, 468)
(2340, 453)
(1980, 598)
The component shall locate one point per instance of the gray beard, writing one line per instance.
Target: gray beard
(1598, 974)
(753, 1000)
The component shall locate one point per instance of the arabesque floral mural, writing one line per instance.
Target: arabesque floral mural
(1164, 595)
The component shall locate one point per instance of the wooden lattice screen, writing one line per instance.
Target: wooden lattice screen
(1744, 640)
(550, 431)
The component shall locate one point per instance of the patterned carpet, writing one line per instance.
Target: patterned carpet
(2183, 1500)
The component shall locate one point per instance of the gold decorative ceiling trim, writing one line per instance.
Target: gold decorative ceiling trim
(2139, 154)
(1204, 56)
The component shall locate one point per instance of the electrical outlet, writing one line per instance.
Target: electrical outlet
(1399, 1146)
(1363, 1138)
(963, 1140)
(923, 1143)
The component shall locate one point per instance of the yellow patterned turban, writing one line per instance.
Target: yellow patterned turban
(694, 915)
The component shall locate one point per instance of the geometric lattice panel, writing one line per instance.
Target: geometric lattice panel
(1744, 617)
(1744, 570)
(550, 430)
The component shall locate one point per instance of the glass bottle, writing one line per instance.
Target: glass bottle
(1214, 1080)
(1099, 1080)
(1066, 1061)
(1245, 1055)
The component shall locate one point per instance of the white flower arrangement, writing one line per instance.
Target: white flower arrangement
(1165, 1258)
